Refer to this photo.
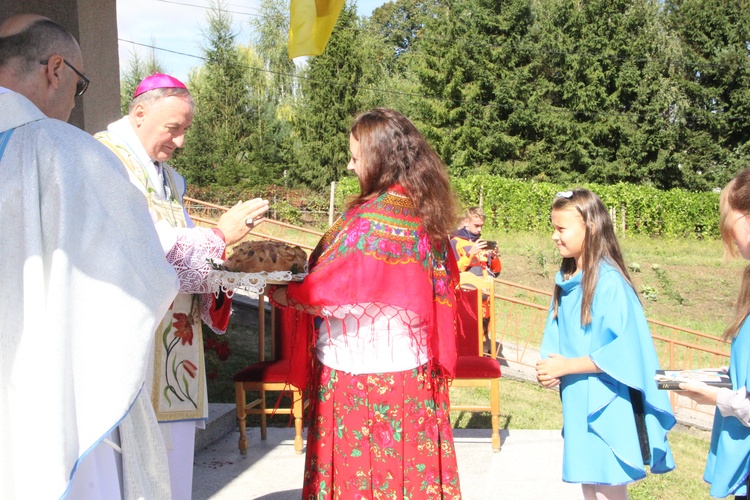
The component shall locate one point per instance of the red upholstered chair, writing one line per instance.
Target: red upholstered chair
(269, 375)
(474, 368)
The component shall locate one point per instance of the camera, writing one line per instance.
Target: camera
(491, 245)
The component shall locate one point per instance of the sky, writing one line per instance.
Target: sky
(176, 25)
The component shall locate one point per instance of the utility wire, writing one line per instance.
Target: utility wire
(205, 7)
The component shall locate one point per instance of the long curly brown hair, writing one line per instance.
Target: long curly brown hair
(393, 151)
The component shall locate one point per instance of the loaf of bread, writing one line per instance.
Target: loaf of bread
(258, 256)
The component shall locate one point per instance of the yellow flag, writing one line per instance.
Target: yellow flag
(310, 25)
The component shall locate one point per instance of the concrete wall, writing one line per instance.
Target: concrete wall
(94, 24)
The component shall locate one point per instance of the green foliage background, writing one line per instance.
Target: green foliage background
(647, 102)
(514, 205)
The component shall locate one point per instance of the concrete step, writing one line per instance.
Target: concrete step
(222, 419)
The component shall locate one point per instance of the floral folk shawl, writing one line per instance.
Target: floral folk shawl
(379, 252)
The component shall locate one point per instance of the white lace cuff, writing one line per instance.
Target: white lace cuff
(190, 257)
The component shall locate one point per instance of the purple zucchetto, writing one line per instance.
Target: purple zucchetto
(158, 81)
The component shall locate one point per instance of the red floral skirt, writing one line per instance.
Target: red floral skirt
(380, 436)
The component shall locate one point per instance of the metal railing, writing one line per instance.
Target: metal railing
(206, 214)
(521, 315)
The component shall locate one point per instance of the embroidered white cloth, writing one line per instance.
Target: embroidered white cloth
(228, 282)
(84, 285)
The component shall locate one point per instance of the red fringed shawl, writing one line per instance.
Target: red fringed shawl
(379, 253)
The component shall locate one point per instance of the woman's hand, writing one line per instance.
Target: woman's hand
(701, 393)
(278, 295)
(236, 222)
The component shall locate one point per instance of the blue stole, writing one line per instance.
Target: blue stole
(727, 463)
(4, 138)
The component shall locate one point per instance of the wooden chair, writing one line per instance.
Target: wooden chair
(474, 368)
(269, 376)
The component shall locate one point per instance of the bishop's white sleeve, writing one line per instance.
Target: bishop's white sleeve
(189, 252)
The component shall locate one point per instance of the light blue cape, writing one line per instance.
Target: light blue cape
(601, 440)
(727, 463)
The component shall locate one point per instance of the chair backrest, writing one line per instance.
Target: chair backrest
(285, 321)
(471, 337)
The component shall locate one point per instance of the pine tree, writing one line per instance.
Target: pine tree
(137, 70)
(713, 144)
(331, 97)
(462, 63)
(215, 147)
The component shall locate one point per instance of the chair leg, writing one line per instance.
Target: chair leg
(239, 396)
(263, 414)
(495, 412)
(297, 410)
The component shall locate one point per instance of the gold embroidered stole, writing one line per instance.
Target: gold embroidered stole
(179, 386)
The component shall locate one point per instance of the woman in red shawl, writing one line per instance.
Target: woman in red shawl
(377, 335)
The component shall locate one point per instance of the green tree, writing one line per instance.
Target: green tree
(277, 141)
(137, 69)
(715, 37)
(216, 146)
(271, 38)
(598, 76)
(464, 64)
(334, 88)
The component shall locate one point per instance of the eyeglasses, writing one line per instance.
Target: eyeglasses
(82, 84)
(564, 194)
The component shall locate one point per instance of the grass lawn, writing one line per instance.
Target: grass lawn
(685, 282)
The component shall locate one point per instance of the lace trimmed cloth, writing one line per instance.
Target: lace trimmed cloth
(228, 281)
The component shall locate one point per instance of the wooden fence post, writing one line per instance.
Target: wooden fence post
(331, 204)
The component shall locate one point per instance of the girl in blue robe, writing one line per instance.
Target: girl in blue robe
(598, 348)
(729, 454)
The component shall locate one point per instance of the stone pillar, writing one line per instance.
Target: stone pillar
(94, 24)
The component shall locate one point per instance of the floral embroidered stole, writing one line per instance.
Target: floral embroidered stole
(178, 389)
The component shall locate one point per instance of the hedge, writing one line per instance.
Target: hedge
(515, 205)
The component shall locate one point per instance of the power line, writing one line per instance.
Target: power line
(622, 114)
(209, 7)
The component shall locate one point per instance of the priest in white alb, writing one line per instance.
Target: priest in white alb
(83, 284)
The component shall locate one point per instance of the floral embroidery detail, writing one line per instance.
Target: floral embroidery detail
(175, 381)
(384, 228)
(390, 247)
(359, 228)
(184, 328)
(424, 246)
(190, 368)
